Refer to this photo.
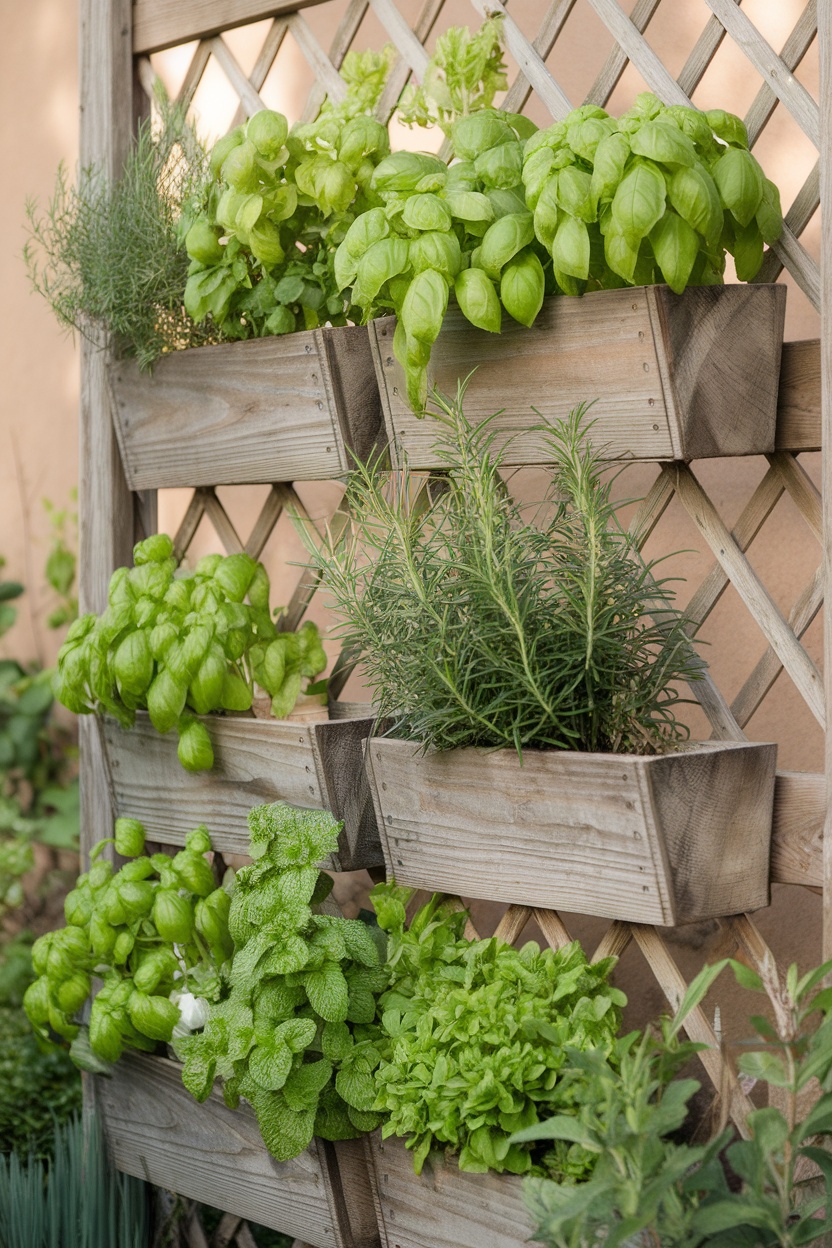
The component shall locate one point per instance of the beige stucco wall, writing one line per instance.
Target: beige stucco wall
(38, 407)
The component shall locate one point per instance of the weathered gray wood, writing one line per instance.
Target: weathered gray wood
(670, 376)
(159, 24)
(659, 840)
(797, 843)
(444, 1207)
(156, 1131)
(720, 364)
(290, 408)
(347, 790)
(825, 52)
(255, 761)
(798, 403)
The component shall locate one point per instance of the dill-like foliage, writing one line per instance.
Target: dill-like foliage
(109, 255)
(476, 627)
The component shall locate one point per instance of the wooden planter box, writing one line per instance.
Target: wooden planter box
(290, 408)
(665, 839)
(444, 1207)
(318, 766)
(156, 1131)
(684, 377)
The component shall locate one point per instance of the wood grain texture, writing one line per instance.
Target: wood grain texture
(657, 367)
(797, 843)
(444, 1207)
(798, 402)
(273, 409)
(721, 361)
(255, 761)
(659, 840)
(156, 1131)
(825, 53)
(159, 24)
(340, 745)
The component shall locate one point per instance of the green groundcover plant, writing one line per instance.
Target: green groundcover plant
(75, 1200)
(185, 645)
(477, 627)
(295, 1029)
(478, 1036)
(648, 1188)
(155, 932)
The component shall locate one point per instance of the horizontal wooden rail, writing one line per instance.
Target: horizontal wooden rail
(159, 24)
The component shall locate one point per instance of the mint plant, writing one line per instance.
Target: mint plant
(295, 1031)
(153, 931)
(478, 1035)
(180, 646)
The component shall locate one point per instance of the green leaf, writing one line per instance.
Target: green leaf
(697, 990)
(286, 1133)
(739, 180)
(305, 1084)
(424, 305)
(426, 212)
(327, 991)
(270, 1064)
(383, 260)
(611, 156)
(676, 247)
(357, 1087)
(747, 251)
(663, 143)
(478, 300)
(198, 1072)
(522, 287)
(694, 195)
(570, 248)
(638, 203)
(503, 240)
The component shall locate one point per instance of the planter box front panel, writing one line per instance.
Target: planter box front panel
(649, 840)
(317, 766)
(158, 1132)
(255, 761)
(672, 376)
(273, 409)
(444, 1207)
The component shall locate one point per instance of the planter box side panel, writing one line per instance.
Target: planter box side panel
(340, 746)
(444, 1207)
(242, 412)
(721, 359)
(562, 831)
(255, 761)
(600, 347)
(716, 806)
(157, 1132)
(356, 399)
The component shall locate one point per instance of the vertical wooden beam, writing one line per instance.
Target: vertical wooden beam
(105, 505)
(825, 48)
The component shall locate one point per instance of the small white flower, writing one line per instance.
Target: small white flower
(193, 1012)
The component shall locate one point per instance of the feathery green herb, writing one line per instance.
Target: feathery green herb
(108, 255)
(476, 627)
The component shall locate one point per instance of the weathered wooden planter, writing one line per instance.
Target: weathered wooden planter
(291, 408)
(666, 839)
(673, 376)
(313, 765)
(444, 1207)
(156, 1131)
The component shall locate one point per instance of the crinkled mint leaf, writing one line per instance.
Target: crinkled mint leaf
(327, 992)
(305, 1084)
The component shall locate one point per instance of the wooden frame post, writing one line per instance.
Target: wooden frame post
(825, 49)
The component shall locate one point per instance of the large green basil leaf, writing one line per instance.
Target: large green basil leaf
(479, 132)
(739, 180)
(426, 212)
(500, 168)
(382, 261)
(424, 306)
(574, 188)
(436, 250)
(611, 156)
(522, 287)
(503, 240)
(478, 299)
(693, 194)
(663, 143)
(639, 202)
(676, 246)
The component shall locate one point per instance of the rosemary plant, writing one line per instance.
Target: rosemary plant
(110, 256)
(476, 627)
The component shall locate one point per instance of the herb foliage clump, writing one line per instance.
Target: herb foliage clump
(478, 1035)
(295, 1032)
(180, 646)
(476, 627)
(108, 254)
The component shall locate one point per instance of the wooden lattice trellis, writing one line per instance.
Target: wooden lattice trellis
(117, 80)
